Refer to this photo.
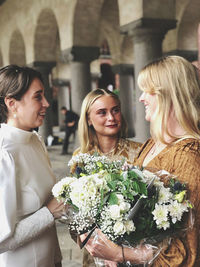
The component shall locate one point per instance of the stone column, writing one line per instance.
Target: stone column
(147, 35)
(127, 92)
(45, 68)
(80, 58)
(64, 96)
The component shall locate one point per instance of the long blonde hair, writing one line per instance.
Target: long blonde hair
(175, 82)
(87, 135)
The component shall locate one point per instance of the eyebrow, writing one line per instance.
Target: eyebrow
(38, 92)
(101, 109)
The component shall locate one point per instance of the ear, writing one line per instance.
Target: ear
(11, 104)
(89, 122)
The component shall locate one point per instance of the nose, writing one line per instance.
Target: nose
(141, 99)
(110, 116)
(45, 103)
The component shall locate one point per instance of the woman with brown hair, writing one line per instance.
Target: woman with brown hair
(27, 233)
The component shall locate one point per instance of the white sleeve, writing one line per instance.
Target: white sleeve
(28, 229)
(7, 195)
(12, 233)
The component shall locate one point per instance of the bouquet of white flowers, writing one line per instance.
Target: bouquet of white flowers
(107, 194)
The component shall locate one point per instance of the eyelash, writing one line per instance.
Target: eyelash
(102, 113)
(38, 97)
(115, 111)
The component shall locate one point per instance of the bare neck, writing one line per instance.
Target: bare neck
(107, 143)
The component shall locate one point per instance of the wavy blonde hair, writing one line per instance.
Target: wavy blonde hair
(87, 135)
(175, 82)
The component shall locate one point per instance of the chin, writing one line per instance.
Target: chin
(147, 118)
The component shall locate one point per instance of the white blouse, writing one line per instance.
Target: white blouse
(27, 230)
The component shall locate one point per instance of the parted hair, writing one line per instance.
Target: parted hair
(87, 135)
(14, 83)
(176, 83)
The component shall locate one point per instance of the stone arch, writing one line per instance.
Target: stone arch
(188, 27)
(109, 29)
(103, 15)
(46, 40)
(86, 22)
(17, 53)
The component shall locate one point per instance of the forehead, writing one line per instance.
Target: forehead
(104, 102)
(35, 87)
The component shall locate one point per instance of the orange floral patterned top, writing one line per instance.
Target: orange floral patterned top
(125, 148)
(183, 160)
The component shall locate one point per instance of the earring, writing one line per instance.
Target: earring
(14, 115)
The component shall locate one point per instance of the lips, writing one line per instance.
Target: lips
(112, 126)
(42, 114)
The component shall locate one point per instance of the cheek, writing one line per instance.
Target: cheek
(118, 117)
(154, 105)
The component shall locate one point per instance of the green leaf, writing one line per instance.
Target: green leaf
(143, 188)
(130, 196)
(136, 187)
(112, 185)
(113, 200)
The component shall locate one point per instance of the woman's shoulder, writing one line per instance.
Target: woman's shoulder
(129, 143)
(187, 145)
(7, 164)
(132, 143)
(128, 149)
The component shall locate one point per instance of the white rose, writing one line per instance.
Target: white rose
(124, 206)
(120, 198)
(115, 212)
(119, 228)
(130, 227)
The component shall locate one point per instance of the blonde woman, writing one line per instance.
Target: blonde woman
(171, 96)
(102, 129)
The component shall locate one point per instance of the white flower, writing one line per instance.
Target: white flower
(119, 228)
(176, 210)
(164, 225)
(120, 198)
(85, 191)
(124, 206)
(130, 227)
(164, 195)
(115, 212)
(160, 213)
(62, 186)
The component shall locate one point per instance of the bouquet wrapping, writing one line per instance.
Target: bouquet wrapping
(131, 207)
